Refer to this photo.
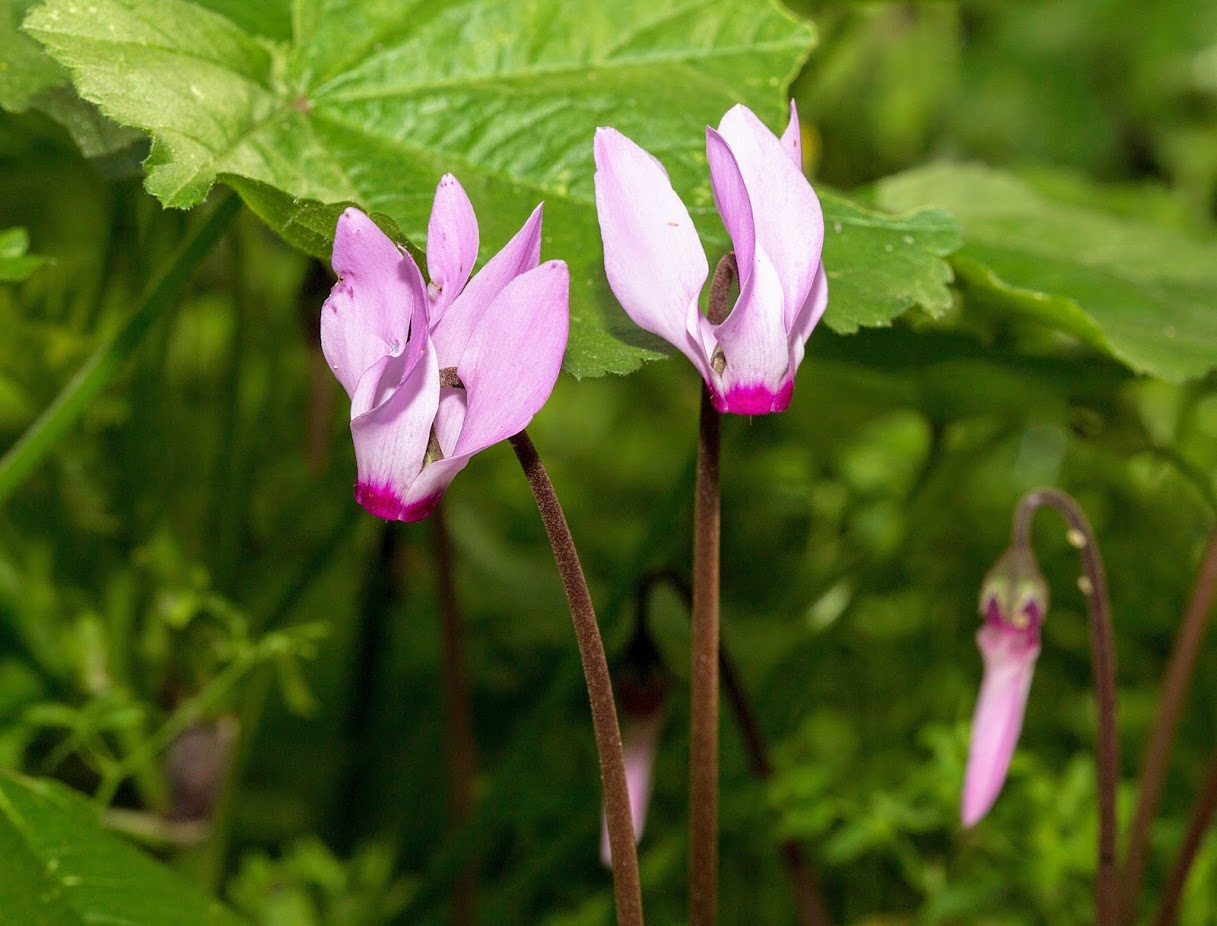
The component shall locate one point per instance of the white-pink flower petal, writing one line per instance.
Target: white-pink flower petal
(653, 258)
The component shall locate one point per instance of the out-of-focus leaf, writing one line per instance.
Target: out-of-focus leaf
(15, 263)
(1141, 293)
(61, 867)
(371, 103)
(29, 79)
(25, 71)
(880, 265)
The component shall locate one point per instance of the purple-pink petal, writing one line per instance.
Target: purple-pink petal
(521, 254)
(367, 314)
(452, 244)
(1009, 657)
(512, 359)
(653, 258)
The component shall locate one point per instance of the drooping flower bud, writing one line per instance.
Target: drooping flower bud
(642, 685)
(1013, 604)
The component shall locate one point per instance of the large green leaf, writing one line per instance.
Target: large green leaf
(880, 265)
(62, 869)
(24, 70)
(371, 101)
(29, 79)
(15, 263)
(1142, 293)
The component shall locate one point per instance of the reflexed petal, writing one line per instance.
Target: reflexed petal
(792, 140)
(807, 319)
(640, 744)
(512, 358)
(652, 256)
(424, 493)
(786, 213)
(367, 314)
(521, 254)
(757, 378)
(452, 244)
(1009, 657)
(391, 438)
(731, 199)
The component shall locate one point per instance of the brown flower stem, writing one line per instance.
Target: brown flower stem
(458, 710)
(703, 694)
(1202, 818)
(627, 887)
(1175, 685)
(1103, 666)
(803, 882)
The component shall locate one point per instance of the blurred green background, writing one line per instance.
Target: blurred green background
(204, 501)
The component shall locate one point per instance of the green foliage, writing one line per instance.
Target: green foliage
(372, 106)
(199, 627)
(15, 263)
(1145, 295)
(62, 868)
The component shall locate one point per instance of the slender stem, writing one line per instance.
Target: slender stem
(809, 904)
(703, 683)
(458, 710)
(1103, 665)
(41, 437)
(1175, 685)
(627, 887)
(1202, 818)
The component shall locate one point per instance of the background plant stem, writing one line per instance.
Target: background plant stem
(627, 887)
(1175, 685)
(42, 436)
(458, 710)
(1103, 665)
(1202, 818)
(703, 679)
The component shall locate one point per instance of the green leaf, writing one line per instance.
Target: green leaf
(880, 265)
(62, 869)
(15, 263)
(370, 102)
(1141, 293)
(24, 70)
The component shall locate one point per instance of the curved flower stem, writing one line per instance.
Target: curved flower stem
(703, 680)
(627, 887)
(803, 882)
(1175, 685)
(1103, 665)
(462, 754)
(52, 424)
(1202, 817)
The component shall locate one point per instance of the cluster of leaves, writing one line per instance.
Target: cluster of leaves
(990, 328)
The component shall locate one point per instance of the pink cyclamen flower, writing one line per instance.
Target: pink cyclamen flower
(1013, 603)
(438, 371)
(657, 267)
